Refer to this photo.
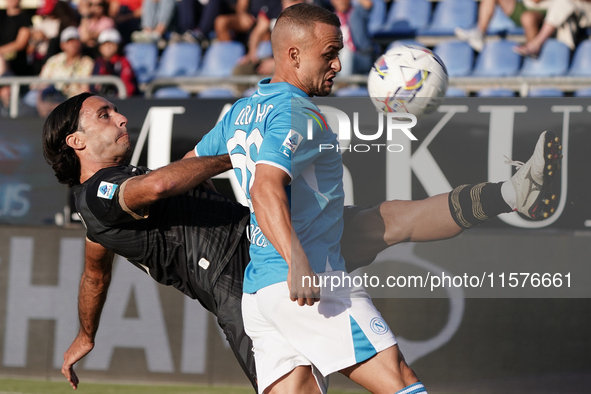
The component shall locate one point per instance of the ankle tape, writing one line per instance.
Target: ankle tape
(471, 205)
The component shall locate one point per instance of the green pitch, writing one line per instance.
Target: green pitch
(21, 386)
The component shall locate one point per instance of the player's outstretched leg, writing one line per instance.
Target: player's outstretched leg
(533, 182)
(368, 231)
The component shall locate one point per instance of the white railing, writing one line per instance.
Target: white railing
(522, 85)
(16, 82)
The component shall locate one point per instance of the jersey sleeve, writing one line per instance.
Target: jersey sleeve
(212, 143)
(104, 198)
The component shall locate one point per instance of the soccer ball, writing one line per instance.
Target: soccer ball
(409, 79)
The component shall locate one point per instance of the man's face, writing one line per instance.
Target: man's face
(96, 8)
(108, 49)
(320, 60)
(104, 131)
(72, 47)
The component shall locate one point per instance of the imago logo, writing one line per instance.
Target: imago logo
(340, 123)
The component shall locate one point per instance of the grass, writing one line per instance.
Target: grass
(25, 386)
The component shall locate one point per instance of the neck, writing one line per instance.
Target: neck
(87, 170)
(13, 11)
(290, 79)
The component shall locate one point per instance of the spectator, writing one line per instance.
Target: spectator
(66, 17)
(111, 62)
(45, 27)
(250, 63)
(243, 20)
(15, 32)
(156, 18)
(127, 15)
(94, 21)
(357, 53)
(5, 90)
(529, 14)
(209, 13)
(69, 63)
(564, 17)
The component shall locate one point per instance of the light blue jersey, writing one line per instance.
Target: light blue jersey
(280, 126)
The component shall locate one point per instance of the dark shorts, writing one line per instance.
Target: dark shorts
(227, 294)
(519, 9)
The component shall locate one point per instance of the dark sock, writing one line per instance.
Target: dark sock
(471, 205)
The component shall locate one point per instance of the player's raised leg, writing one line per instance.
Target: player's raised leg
(530, 191)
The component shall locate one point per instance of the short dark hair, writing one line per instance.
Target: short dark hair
(308, 15)
(61, 122)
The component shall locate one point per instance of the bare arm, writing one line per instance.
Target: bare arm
(20, 43)
(271, 207)
(260, 32)
(91, 298)
(173, 179)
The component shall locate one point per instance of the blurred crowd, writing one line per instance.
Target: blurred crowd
(78, 38)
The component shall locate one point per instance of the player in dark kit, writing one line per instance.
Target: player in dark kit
(171, 224)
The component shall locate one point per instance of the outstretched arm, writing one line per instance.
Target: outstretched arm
(271, 207)
(173, 179)
(91, 298)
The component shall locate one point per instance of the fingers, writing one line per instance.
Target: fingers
(68, 372)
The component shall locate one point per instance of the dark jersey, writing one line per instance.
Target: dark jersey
(10, 26)
(183, 241)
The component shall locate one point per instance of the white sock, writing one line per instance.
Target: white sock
(509, 195)
(416, 388)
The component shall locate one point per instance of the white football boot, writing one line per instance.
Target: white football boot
(533, 182)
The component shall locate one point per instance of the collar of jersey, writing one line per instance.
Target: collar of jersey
(266, 88)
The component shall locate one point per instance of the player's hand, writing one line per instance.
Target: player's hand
(302, 281)
(78, 349)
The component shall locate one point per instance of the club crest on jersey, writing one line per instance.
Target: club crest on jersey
(106, 190)
(379, 325)
(291, 143)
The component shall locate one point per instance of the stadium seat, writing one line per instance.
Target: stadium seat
(581, 63)
(553, 61)
(352, 91)
(450, 14)
(457, 56)
(403, 42)
(406, 17)
(545, 92)
(220, 58)
(455, 92)
(495, 93)
(171, 92)
(377, 17)
(585, 92)
(179, 59)
(500, 23)
(497, 59)
(143, 58)
(264, 49)
(216, 93)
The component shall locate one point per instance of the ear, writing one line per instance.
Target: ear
(75, 141)
(294, 56)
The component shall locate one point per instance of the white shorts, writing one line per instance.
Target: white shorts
(341, 330)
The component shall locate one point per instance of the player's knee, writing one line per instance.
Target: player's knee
(528, 19)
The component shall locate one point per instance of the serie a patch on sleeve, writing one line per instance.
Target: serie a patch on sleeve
(291, 143)
(106, 190)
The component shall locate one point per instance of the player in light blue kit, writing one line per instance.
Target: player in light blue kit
(295, 195)
(296, 198)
